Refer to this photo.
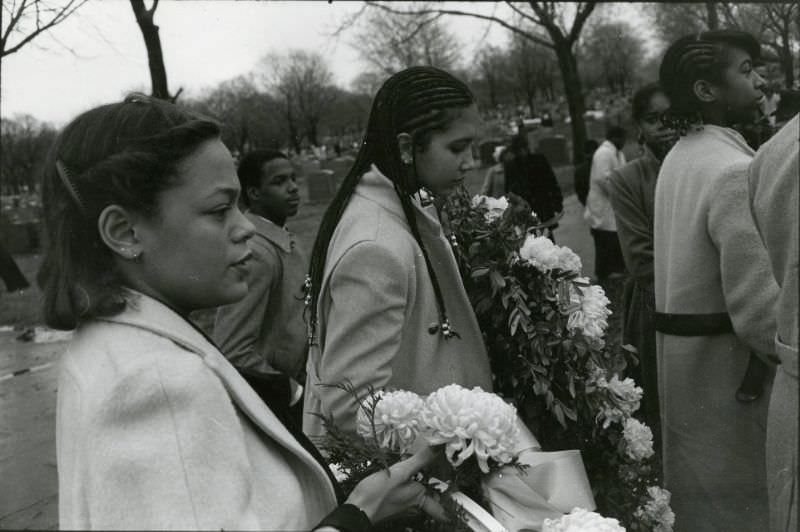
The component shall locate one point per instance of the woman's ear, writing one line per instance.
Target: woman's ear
(117, 230)
(704, 91)
(406, 146)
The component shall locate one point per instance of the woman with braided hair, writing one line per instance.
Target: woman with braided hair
(714, 290)
(386, 304)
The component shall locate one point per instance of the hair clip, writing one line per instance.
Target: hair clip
(64, 175)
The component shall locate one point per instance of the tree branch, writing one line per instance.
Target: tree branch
(59, 17)
(514, 29)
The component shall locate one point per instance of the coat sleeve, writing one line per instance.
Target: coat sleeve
(602, 164)
(633, 228)
(165, 449)
(238, 326)
(369, 291)
(748, 285)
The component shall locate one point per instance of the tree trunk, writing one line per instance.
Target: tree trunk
(312, 133)
(713, 18)
(787, 60)
(573, 90)
(155, 57)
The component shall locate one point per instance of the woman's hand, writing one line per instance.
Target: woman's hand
(386, 493)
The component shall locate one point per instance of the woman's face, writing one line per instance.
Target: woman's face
(656, 136)
(740, 90)
(194, 250)
(443, 164)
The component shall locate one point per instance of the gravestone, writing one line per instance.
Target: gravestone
(555, 149)
(321, 185)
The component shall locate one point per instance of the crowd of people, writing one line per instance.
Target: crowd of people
(161, 426)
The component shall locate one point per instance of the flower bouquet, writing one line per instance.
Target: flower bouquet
(477, 432)
(544, 326)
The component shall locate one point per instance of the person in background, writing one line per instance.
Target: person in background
(583, 171)
(599, 213)
(495, 182)
(531, 177)
(633, 189)
(715, 292)
(264, 334)
(10, 272)
(773, 194)
(155, 429)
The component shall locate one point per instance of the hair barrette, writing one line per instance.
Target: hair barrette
(64, 175)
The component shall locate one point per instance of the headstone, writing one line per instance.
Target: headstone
(321, 185)
(555, 149)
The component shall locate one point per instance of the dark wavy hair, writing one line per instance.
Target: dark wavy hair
(705, 56)
(125, 154)
(419, 101)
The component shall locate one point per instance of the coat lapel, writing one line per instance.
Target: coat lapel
(147, 313)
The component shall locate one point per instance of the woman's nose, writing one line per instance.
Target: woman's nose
(244, 228)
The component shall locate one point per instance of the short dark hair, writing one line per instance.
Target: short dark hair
(642, 98)
(590, 145)
(125, 154)
(249, 170)
(704, 55)
(615, 132)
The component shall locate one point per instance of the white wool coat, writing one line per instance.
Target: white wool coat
(377, 306)
(709, 259)
(156, 430)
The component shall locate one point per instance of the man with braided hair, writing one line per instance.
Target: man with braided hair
(715, 293)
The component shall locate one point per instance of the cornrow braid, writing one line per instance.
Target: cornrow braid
(417, 101)
(694, 57)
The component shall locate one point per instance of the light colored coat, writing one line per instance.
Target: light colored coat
(376, 307)
(773, 193)
(709, 259)
(599, 212)
(265, 330)
(156, 430)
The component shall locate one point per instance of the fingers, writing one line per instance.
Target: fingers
(410, 466)
(431, 506)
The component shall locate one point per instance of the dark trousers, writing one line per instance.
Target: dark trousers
(607, 253)
(10, 272)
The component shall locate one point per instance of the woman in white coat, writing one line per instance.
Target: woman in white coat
(155, 429)
(387, 306)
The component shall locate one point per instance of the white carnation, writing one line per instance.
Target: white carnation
(580, 520)
(656, 512)
(471, 422)
(396, 420)
(591, 311)
(495, 207)
(339, 472)
(541, 253)
(638, 440)
(623, 398)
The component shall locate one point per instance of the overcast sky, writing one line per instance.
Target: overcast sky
(204, 43)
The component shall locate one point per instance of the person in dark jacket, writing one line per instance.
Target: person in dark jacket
(583, 171)
(531, 177)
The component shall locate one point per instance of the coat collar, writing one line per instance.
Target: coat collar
(376, 187)
(725, 134)
(279, 236)
(150, 314)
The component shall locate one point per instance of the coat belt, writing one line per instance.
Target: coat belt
(693, 324)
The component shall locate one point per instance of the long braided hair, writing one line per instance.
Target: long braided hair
(694, 57)
(418, 101)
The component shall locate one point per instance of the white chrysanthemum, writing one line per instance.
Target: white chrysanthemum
(657, 512)
(541, 253)
(591, 311)
(495, 207)
(471, 422)
(396, 420)
(623, 398)
(638, 439)
(338, 472)
(580, 520)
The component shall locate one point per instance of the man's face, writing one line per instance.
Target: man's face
(740, 89)
(278, 197)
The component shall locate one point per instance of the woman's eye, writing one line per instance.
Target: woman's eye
(220, 212)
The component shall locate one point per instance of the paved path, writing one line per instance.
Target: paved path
(28, 374)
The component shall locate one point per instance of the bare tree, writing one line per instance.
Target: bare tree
(392, 42)
(145, 18)
(24, 142)
(614, 52)
(27, 19)
(304, 82)
(560, 38)
(491, 70)
(778, 19)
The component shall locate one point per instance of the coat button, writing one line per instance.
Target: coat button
(433, 328)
